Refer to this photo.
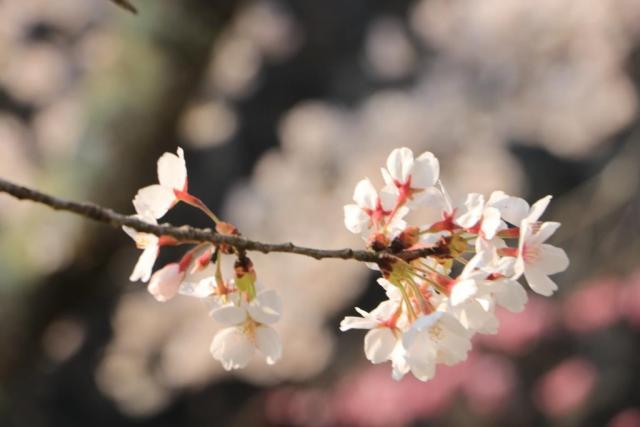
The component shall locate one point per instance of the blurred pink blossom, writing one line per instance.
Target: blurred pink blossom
(593, 307)
(519, 331)
(371, 398)
(565, 387)
(628, 418)
(489, 383)
(630, 300)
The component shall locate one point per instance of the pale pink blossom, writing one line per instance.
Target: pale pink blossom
(435, 338)
(371, 210)
(410, 177)
(157, 199)
(150, 245)
(165, 282)
(248, 330)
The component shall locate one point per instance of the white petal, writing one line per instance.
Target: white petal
(172, 170)
(426, 170)
(392, 291)
(462, 291)
(144, 266)
(378, 344)
(266, 307)
(200, 289)
(353, 322)
(454, 349)
(390, 186)
(512, 209)
(518, 267)
(539, 282)
(365, 194)
(490, 222)
(421, 358)
(143, 213)
(388, 199)
(355, 219)
(232, 348)
(474, 205)
(399, 164)
(552, 259)
(165, 282)
(268, 342)
(545, 231)
(385, 310)
(511, 295)
(399, 364)
(156, 200)
(538, 209)
(229, 314)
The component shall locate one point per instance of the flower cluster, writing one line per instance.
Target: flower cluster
(239, 303)
(444, 280)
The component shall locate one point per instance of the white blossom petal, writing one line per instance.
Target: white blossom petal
(165, 282)
(232, 348)
(491, 222)
(268, 342)
(474, 205)
(353, 322)
(355, 219)
(552, 259)
(379, 344)
(545, 231)
(400, 163)
(172, 170)
(154, 200)
(539, 281)
(426, 170)
(510, 295)
(512, 209)
(365, 194)
(266, 307)
(144, 266)
(198, 289)
(538, 208)
(229, 314)
(462, 291)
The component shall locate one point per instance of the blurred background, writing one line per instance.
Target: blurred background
(281, 107)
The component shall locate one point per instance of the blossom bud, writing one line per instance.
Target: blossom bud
(406, 239)
(378, 242)
(165, 282)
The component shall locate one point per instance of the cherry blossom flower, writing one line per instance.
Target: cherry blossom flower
(409, 177)
(248, 329)
(499, 283)
(165, 282)
(470, 300)
(383, 342)
(514, 209)
(372, 210)
(536, 259)
(469, 263)
(149, 243)
(157, 199)
(435, 338)
(480, 216)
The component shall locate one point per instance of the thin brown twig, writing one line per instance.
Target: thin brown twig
(126, 5)
(182, 233)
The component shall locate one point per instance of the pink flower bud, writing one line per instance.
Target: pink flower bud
(165, 282)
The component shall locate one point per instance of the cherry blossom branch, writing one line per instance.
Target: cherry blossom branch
(187, 233)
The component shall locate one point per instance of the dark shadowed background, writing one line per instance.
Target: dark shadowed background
(281, 106)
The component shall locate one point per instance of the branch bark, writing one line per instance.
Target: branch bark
(187, 233)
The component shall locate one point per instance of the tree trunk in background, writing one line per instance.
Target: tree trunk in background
(132, 109)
